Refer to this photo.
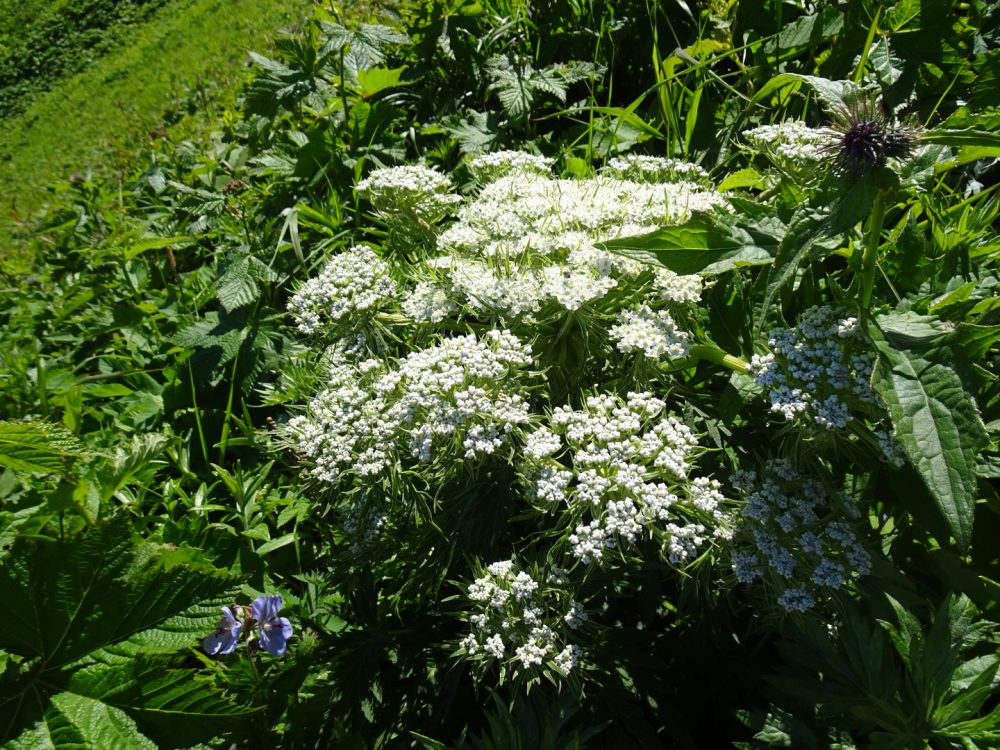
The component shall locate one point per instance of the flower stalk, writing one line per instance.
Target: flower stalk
(872, 240)
(718, 357)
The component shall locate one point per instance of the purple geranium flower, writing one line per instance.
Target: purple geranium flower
(224, 639)
(274, 631)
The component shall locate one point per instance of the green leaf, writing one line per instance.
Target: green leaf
(154, 243)
(835, 95)
(834, 208)
(95, 598)
(706, 244)
(75, 722)
(171, 704)
(378, 79)
(38, 447)
(744, 178)
(935, 418)
(274, 544)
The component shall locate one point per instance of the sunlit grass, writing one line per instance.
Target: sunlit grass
(182, 62)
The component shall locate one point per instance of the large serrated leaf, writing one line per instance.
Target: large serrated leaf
(76, 722)
(171, 704)
(935, 418)
(87, 600)
(37, 447)
(237, 286)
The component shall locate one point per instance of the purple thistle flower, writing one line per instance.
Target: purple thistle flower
(224, 639)
(273, 631)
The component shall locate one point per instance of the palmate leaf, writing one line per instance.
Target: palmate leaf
(935, 418)
(367, 44)
(90, 602)
(38, 447)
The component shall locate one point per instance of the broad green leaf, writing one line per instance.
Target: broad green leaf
(960, 137)
(154, 243)
(935, 418)
(281, 541)
(376, 80)
(705, 244)
(744, 178)
(75, 722)
(94, 598)
(38, 447)
(171, 703)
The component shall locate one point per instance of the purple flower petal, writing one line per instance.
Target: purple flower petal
(274, 634)
(266, 608)
(225, 637)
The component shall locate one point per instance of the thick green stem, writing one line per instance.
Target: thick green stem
(719, 357)
(872, 240)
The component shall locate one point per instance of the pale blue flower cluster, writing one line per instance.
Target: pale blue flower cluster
(818, 370)
(795, 534)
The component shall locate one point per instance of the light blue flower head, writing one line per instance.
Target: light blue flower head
(224, 639)
(273, 631)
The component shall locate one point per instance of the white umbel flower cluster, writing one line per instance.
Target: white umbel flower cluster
(523, 618)
(528, 239)
(490, 167)
(796, 534)
(817, 369)
(622, 469)
(356, 282)
(791, 144)
(462, 395)
(653, 333)
(656, 169)
(409, 192)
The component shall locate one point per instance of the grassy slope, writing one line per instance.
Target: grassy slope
(95, 120)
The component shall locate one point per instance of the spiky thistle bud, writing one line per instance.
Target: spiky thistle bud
(866, 138)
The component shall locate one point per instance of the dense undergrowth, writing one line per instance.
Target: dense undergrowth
(587, 375)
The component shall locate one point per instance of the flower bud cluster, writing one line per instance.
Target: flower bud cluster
(463, 394)
(409, 192)
(818, 370)
(622, 469)
(352, 284)
(523, 620)
(796, 535)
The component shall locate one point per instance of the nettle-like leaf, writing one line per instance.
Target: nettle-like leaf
(519, 85)
(81, 614)
(936, 419)
(219, 339)
(363, 48)
(38, 447)
(239, 284)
